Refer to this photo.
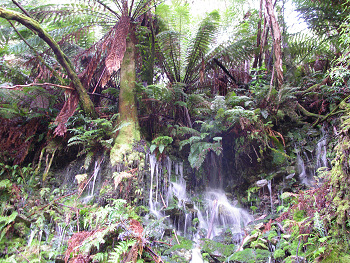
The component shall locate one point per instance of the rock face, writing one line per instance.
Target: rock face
(261, 183)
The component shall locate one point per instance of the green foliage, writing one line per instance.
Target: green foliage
(120, 249)
(160, 143)
(29, 102)
(250, 255)
(184, 244)
(5, 223)
(213, 247)
(116, 211)
(93, 135)
(200, 146)
(182, 57)
(17, 173)
(325, 17)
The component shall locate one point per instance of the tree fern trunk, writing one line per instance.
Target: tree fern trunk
(277, 40)
(127, 105)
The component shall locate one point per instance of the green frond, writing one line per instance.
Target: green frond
(169, 47)
(199, 151)
(236, 51)
(303, 47)
(174, 18)
(120, 249)
(324, 17)
(200, 46)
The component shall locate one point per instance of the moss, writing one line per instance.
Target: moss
(299, 215)
(213, 247)
(250, 255)
(279, 254)
(272, 234)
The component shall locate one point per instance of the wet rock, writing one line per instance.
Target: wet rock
(175, 211)
(186, 254)
(189, 205)
(274, 240)
(290, 176)
(237, 237)
(259, 226)
(290, 169)
(59, 259)
(294, 259)
(261, 183)
(286, 237)
(168, 232)
(249, 239)
(23, 219)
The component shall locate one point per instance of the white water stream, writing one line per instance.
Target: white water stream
(308, 163)
(214, 215)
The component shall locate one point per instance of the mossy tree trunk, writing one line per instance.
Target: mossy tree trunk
(130, 131)
(340, 176)
(28, 22)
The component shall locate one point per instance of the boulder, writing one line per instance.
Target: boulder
(261, 183)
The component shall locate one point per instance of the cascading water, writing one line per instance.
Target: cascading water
(321, 153)
(307, 163)
(215, 215)
(92, 183)
(269, 186)
(222, 214)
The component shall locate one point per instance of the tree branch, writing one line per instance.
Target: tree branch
(225, 70)
(39, 84)
(307, 113)
(33, 25)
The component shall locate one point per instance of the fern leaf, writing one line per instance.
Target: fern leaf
(120, 250)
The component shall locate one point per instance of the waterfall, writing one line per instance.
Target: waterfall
(307, 163)
(270, 190)
(224, 213)
(209, 218)
(321, 153)
(96, 172)
(152, 162)
(196, 256)
(301, 169)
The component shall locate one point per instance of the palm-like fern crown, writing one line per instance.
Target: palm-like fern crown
(183, 55)
(77, 27)
(324, 16)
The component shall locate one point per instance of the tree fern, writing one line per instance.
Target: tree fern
(304, 48)
(183, 62)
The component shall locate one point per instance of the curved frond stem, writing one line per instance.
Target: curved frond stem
(109, 9)
(22, 9)
(205, 34)
(131, 7)
(39, 84)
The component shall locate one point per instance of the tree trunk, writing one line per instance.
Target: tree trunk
(130, 131)
(257, 58)
(277, 40)
(84, 98)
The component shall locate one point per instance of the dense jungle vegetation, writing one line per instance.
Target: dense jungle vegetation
(118, 118)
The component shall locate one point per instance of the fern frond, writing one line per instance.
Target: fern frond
(169, 46)
(199, 151)
(121, 249)
(303, 47)
(200, 46)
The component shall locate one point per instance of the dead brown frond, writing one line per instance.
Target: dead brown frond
(66, 112)
(118, 47)
(75, 242)
(16, 137)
